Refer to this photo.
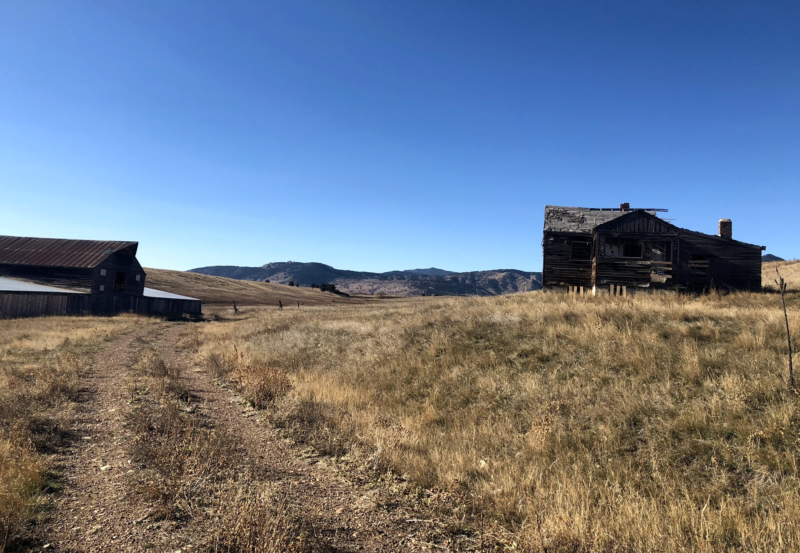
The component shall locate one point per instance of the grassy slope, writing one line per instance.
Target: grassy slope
(221, 290)
(657, 423)
(790, 270)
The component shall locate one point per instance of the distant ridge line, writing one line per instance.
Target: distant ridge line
(410, 282)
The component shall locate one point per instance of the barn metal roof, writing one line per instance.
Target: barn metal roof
(153, 293)
(14, 285)
(582, 220)
(57, 252)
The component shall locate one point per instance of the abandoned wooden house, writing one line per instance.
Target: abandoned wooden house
(611, 250)
(49, 276)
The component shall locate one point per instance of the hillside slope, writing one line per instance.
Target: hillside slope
(790, 271)
(416, 282)
(221, 290)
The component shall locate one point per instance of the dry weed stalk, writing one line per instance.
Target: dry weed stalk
(782, 289)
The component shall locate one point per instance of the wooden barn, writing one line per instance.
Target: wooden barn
(49, 276)
(616, 249)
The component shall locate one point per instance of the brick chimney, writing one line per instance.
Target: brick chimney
(625, 207)
(726, 228)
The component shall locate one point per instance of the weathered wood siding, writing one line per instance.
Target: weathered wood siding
(558, 267)
(32, 304)
(711, 261)
(638, 272)
(638, 250)
(697, 262)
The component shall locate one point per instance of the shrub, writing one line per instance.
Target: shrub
(262, 385)
(254, 521)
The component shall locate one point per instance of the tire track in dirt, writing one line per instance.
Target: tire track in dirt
(96, 511)
(347, 516)
(93, 511)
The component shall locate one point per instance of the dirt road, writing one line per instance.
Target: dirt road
(94, 509)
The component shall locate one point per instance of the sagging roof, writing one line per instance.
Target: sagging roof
(581, 220)
(57, 252)
(14, 285)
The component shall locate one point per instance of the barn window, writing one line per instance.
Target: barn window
(102, 288)
(119, 282)
(138, 278)
(623, 247)
(581, 250)
(102, 272)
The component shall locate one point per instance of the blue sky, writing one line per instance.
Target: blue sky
(378, 135)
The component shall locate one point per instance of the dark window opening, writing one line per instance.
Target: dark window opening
(632, 248)
(662, 251)
(119, 282)
(581, 250)
(623, 247)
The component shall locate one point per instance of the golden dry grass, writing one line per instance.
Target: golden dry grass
(790, 271)
(584, 424)
(41, 360)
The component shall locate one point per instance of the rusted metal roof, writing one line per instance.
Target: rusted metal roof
(57, 252)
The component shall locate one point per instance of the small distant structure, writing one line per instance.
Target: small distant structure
(52, 276)
(632, 249)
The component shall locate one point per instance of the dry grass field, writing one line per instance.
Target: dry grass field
(221, 290)
(583, 424)
(530, 422)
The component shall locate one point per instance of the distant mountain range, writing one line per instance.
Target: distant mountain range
(412, 282)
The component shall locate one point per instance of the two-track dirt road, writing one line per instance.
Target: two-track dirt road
(94, 509)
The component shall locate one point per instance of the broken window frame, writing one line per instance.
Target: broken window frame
(666, 247)
(622, 244)
(584, 250)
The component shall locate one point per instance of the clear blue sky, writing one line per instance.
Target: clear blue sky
(379, 135)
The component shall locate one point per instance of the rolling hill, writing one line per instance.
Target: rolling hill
(415, 282)
(220, 290)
